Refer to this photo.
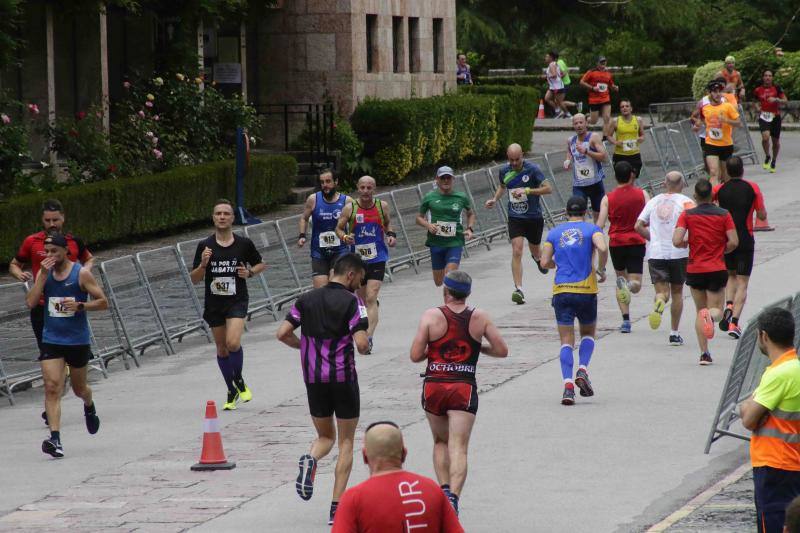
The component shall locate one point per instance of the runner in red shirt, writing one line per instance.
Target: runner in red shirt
(393, 500)
(770, 97)
(627, 248)
(711, 235)
(449, 338)
(599, 82)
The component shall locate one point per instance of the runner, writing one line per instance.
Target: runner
(369, 231)
(667, 264)
(741, 198)
(628, 132)
(331, 319)
(393, 497)
(66, 339)
(324, 208)
(449, 339)
(224, 261)
(698, 124)
(770, 97)
(587, 152)
(446, 235)
(463, 72)
(733, 78)
(524, 182)
(621, 207)
(711, 234)
(570, 248)
(567, 82)
(557, 90)
(720, 119)
(599, 82)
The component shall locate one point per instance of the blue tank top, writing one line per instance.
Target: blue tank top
(585, 170)
(324, 242)
(367, 227)
(65, 327)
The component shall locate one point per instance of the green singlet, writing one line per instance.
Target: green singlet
(445, 211)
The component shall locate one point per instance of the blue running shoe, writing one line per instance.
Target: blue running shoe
(625, 327)
(305, 478)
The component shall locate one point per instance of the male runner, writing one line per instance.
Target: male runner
(599, 82)
(66, 339)
(393, 499)
(570, 248)
(770, 97)
(740, 198)
(225, 261)
(524, 182)
(331, 319)
(449, 339)
(463, 72)
(628, 132)
(446, 236)
(698, 123)
(733, 78)
(667, 263)
(585, 152)
(324, 208)
(720, 118)
(369, 232)
(621, 207)
(711, 234)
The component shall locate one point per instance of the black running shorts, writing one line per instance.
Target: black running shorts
(530, 228)
(740, 262)
(218, 314)
(707, 281)
(76, 356)
(773, 127)
(328, 399)
(629, 258)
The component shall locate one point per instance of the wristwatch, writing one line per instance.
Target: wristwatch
(81, 306)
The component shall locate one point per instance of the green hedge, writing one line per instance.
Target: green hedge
(114, 210)
(405, 136)
(642, 87)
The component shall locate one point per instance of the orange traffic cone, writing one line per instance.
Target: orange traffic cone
(541, 109)
(213, 456)
(761, 225)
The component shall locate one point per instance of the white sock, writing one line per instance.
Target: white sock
(674, 332)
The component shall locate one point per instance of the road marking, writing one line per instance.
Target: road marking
(700, 499)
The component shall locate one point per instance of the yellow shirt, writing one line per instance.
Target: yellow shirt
(628, 133)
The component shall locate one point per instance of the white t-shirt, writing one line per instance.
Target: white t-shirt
(661, 214)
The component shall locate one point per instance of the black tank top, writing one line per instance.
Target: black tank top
(454, 356)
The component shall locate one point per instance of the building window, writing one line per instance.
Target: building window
(438, 45)
(413, 44)
(398, 44)
(372, 43)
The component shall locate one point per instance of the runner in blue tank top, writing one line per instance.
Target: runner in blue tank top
(585, 154)
(324, 209)
(66, 339)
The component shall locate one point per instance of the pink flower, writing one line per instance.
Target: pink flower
(5, 118)
(33, 108)
(156, 118)
(148, 104)
(126, 84)
(157, 153)
(141, 114)
(80, 115)
(155, 140)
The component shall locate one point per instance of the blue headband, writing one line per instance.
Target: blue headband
(458, 286)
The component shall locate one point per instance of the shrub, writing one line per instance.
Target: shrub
(84, 146)
(753, 60)
(120, 209)
(13, 147)
(703, 75)
(788, 75)
(516, 125)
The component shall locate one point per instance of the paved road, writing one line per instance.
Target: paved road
(618, 462)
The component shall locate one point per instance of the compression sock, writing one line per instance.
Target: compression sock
(585, 350)
(227, 372)
(55, 436)
(626, 316)
(567, 362)
(237, 362)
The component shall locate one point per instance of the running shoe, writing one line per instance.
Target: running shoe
(583, 383)
(734, 331)
(766, 166)
(568, 398)
(453, 501)
(244, 392)
(772, 170)
(568, 115)
(540, 267)
(233, 399)
(708, 323)
(92, 420)
(625, 327)
(559, 114)
(705, 359)
(369, 350)
(725, 321)
(675, 340)
(44, 417)
(655, 317)
(53, 447)
(623, 292)
(518, 297)
(305, 478)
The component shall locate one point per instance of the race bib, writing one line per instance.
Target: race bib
(715, 133)
(367, 251)
(223, 286)
(446, 229)
(584, 170)
(602, 87)
(329, 239)
(55, 306)
(630, 145)
(766, 116)
(517, 196)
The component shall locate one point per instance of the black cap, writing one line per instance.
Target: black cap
(576, 205)
(56, 240)
(715, 84)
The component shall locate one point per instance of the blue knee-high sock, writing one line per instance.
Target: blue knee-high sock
(237, 362)
(585, 350)
(567, 362)
(227, 372)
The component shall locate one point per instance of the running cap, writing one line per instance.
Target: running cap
(576, 205)
(601, 59)
(715, 85)
(463, 287)
(56, 239)
(444, 171)
(730, 59)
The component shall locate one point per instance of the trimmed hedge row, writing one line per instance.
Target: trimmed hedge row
(405, 136)
(119, 209)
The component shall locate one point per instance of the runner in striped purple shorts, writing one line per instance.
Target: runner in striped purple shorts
(331, 319)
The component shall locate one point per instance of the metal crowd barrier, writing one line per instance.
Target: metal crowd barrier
(18, 351)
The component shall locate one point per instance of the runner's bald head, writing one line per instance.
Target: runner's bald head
(674, 181)
(514, 150)
(383, 444)
(365, 180)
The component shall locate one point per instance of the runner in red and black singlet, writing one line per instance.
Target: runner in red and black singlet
(449, 338)
(770, 97)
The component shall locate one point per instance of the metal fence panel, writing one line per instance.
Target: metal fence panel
(19, 353)
(405, 207)
(280, 275)
(562, 178)
(659, 135)
(671, 111)
(492, 220)
(681, 150)
(742, 141)
(693, 142)
(300, 257)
